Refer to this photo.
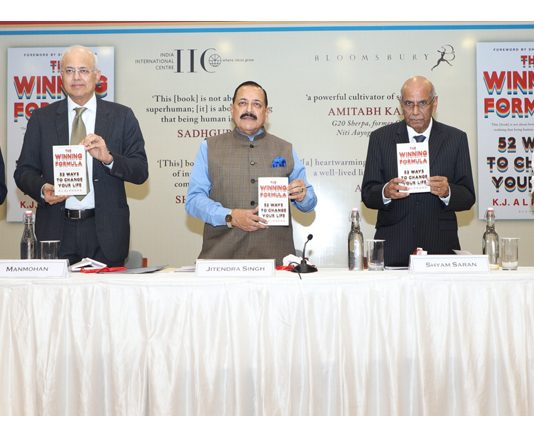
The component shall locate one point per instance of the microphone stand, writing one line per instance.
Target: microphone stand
(304, 267)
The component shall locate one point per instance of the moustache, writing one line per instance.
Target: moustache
(248, 114)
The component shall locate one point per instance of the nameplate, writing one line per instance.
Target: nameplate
(449, 263)
(34, 268)
(235, 267)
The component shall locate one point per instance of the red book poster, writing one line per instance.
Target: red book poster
(505, 128)
(273, 200)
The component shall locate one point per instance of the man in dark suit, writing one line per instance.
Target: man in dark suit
(3, 188)
(96, 226)
(427, 220)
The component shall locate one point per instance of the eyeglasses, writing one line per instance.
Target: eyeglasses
(82, 71)
(423, 104)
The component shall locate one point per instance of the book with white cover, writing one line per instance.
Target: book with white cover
(273, 200)
(70, 170)
(413, 166)
(87, 263)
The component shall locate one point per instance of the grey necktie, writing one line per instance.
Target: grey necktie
(419, 138)
(78, 131)
(77, 134)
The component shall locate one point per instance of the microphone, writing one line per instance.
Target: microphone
(310, 237)
(304, 267)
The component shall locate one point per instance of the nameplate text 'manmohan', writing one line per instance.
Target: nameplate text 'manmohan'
(34, 268)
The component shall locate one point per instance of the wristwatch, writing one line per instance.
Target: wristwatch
(228, 220)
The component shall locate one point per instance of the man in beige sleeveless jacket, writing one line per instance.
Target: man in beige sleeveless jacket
(223, 189)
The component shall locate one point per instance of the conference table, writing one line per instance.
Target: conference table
(330, 343)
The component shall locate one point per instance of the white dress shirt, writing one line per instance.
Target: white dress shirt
(89, 118)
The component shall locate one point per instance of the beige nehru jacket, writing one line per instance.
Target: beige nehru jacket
(234, 165)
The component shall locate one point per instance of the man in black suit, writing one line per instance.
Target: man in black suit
(3, 188)
(96, 226)
(427, 220)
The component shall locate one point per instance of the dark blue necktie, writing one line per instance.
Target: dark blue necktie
(419, 138)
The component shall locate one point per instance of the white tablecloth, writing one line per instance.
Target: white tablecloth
(335, 342)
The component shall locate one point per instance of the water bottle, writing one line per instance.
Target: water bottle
(355, 242)
(28, 242)
(490, 239)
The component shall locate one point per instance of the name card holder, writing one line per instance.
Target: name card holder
(235, 267)
(34, 268)
(449, 263)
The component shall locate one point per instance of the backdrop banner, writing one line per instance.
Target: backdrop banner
(329, 86)
(505, 107)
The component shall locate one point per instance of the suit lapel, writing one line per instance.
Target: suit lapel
(62, 123)
(401, 136)
(103, 119)
(103, 122)
(434, 143)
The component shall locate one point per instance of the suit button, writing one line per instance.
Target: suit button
(253, 181)
(252, 146)
(252, 163)
(252, 203)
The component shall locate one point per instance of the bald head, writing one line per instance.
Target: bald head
(418, 82)
(81, 50)
(418, 102)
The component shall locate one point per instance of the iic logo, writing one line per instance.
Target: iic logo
(194, 61)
